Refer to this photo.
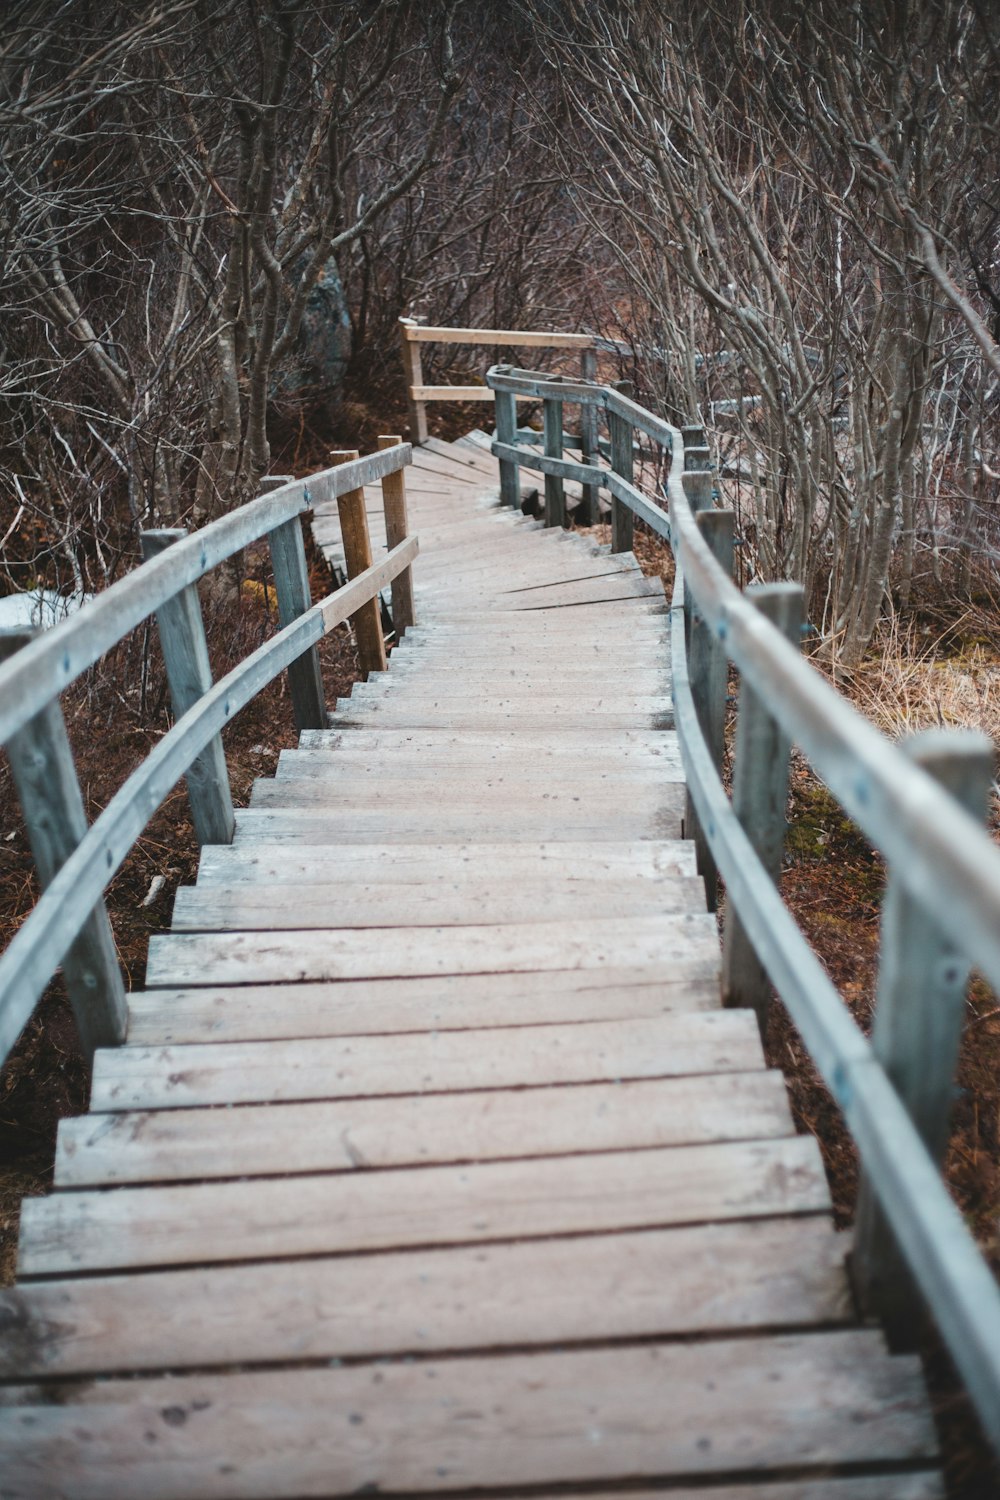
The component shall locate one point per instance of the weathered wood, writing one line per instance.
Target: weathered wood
(291, 582)
(26, 965)
(942, 1256)
(415, 864)
(505, 416)
(341, 1212)
(351, 1067)
(548, 464)
(34, 677)
(434, 825)
(589, 451)
(367, 621)
(499, 337)
(419, 1129)
(555, 494)
(41, 763)
(258, 1012)
(396, 531)
(702, 1408)
(919, 1017)
(282, 907)
(189, 672)
(760, 794)
(709, 673)
(414, 377)
(180, 959)
(709, 1278)
(620, 430)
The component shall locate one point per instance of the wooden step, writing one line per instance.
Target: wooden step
(709, 1408)
(215, 1012)
(424, 1062)
(666, 944)
(715, 1278)
(276, 1217)
(433, 904)
(418, 1129)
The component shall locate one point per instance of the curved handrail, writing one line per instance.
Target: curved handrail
(943, 856)
(64, 905)
(936, 849)
(45, 668)
(33, 678)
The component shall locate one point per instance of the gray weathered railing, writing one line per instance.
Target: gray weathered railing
(916, 803)
(69, 924)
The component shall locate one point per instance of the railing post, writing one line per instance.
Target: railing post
(189, 673)
(367, 621)
(506, 425)
(291, 584)
(414, 373)
(41, 763)
(394, 504)
(708, 670)
(590, 507)
(555, 493)
(698, 481)
(760, 795)
(620, 432)
(919, 1014)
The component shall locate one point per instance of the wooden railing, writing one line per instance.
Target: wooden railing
(69, 924)
(918, 803)
(413, 334)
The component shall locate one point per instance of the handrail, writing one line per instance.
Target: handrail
(413, 334)
(46, 667)
(75, 862)
(938, 856)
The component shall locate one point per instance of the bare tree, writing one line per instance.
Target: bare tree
(764, 178)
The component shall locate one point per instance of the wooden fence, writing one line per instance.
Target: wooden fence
(920, 804)
(413, 334)
(69, 924)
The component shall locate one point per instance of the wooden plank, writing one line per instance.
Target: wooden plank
(274, 1217)
(434, 826)
(184, 647)
(417, 863)
(925, 1485)
(528, 744)
(472, 794)
(596, 700)
(501, 337)
(55, 819)
(505, 763)
(705, 1279)
(715, 1407)
(424, 1062)
(486, 718)
(278, 907)
(57, 657)
(418, 1129)
(394, 501)
(366, 621)
(26, 966)
(177, 959)
(451, 393)
(257, 1012)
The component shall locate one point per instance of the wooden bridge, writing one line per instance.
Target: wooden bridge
(429, 1160)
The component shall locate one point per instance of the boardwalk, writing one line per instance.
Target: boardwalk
(431, 1163)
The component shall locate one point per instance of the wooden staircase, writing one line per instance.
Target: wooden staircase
(431, 1164)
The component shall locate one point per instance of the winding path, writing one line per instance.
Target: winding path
(431, 1163)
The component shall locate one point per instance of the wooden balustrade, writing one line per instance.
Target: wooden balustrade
(69, 924)
(921, 804)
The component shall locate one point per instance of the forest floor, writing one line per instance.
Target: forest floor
(939, 671)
